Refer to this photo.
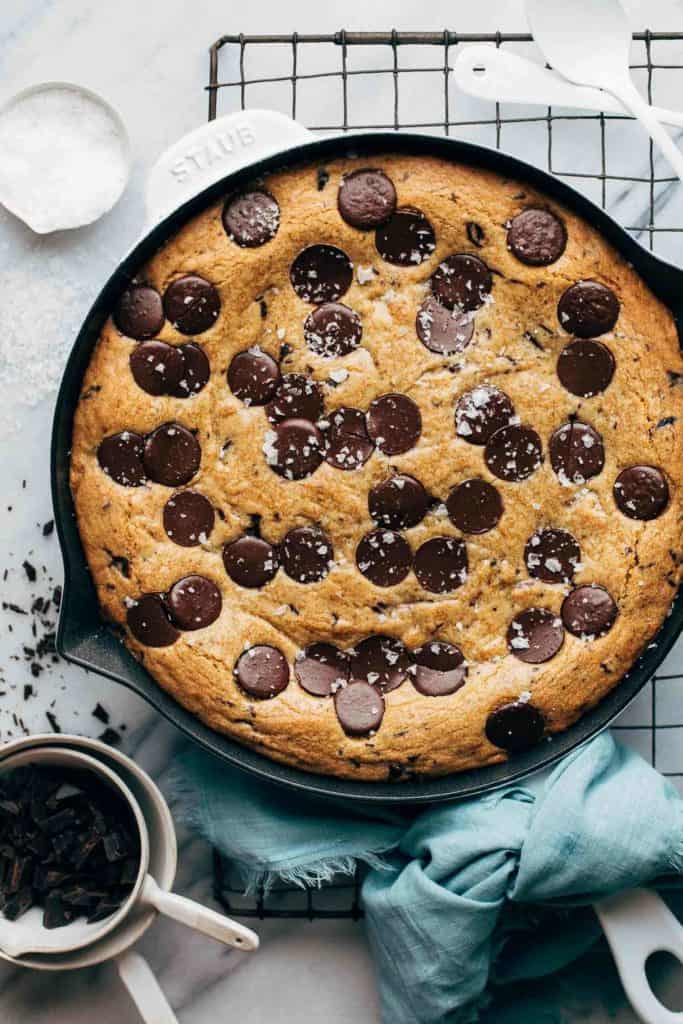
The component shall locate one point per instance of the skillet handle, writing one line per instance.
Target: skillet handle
(214, 150)
(636, 924)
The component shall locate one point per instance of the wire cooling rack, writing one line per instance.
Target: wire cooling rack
(365, 81)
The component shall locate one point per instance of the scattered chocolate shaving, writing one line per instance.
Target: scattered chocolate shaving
(48, 527)
(52, 719)
(30, 571)
(110, 736)
(100, 714)
(323, 177)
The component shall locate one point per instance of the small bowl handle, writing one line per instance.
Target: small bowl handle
(199, 917)
(144, 989)
(214, 150)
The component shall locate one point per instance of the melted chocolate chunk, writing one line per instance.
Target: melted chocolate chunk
(515, 727)
(537, 237)
(321, 669)
(359, 707)
(552, 555)
(384, 557)
(188, 518)
(440, 564)
(262, 671)
(120, 457)
(482, 411)
(406, 239)
(197, 371)
(297, 449)
(576, 452)
(307, 554)
(381, 661)
(156, 367)
(333, 330)
(443, 330)
(589, 611)
(585, 367)
(641, 492)
(394, 423)
(195, 602)
(171, 455)
(321, 273)
(461, 282)
(439, 669)
(366, 199)
(296, 397)
(348, 445)
(587, 309)
(192, 304)
(250, 561)
(253, 376)
(474, 506)
(139, 312)
(399, 501)
(251, 219)
(513, 453)
(149, 621)
(535, 635)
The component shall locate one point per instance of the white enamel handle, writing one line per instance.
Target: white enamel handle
(214, 150)
(199, 917)
(489, 73)
(144, 989)
(638, 923)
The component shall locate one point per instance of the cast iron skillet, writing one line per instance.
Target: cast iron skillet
(85, 639)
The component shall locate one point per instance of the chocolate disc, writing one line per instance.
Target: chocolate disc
(253, 376)
(513, 453)
(515, 727)
(400, 502)
(589, 611)
(535, 635)
(332, 330)
(197, 370)
(366, 198)
(440, 564)
(307, 555)
(321, 273)
(348, 445)
(120, 457)
(474, 506)
(139, 312)
(641, 492)
(296, 397)
(585, 367)
(587, 309)
(482, 411)
(321, 669)
(195, 602)
(251, 219)
(576, 452)
(188, 518)
(192, 304)
(552, 555)
(461, 282)
(394, 423)
(384, 557)
(296, 450)
(537, 237)
(359, 707)
(250, 561)
(262, 671)
(406, 239)
(381, 661)
(149, 621)
(443, 330)
(156, 367)
(439, 668)
(171, 455)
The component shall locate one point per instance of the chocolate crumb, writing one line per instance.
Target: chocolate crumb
(100, 714)
(110, 736)
(52, 719)
(48, 527)
(323, 178)
(30, 571)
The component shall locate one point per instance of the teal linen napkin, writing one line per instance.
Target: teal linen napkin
(495, 888)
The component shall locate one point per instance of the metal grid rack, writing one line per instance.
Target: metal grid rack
(364, 81)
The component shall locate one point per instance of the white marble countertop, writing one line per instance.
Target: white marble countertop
(151, 61)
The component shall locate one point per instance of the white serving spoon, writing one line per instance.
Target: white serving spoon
(489, 73)
(588, 42)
